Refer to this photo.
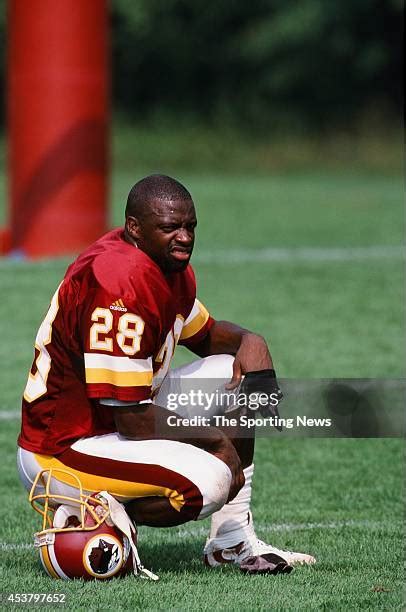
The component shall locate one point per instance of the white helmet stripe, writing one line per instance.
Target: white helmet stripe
(55, 563)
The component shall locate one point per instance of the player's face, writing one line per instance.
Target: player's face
(167, 233)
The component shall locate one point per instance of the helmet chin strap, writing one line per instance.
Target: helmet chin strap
(123, 522)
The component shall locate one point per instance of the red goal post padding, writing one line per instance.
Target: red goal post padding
(58, 107)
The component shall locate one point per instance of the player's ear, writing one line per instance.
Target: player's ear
(133, 228)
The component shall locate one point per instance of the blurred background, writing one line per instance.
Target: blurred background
(260, 86)
(316, 74)
(263, 86)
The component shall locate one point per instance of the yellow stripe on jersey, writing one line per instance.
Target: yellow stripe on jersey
(119, 488)
(195, 321)
(118, 371)
(118, 379)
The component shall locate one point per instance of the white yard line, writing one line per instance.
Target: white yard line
(264, 255)
(260, 528)
(281, 527)
(10, 415)
(298, 254)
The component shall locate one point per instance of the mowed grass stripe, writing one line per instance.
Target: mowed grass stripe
(202, 531)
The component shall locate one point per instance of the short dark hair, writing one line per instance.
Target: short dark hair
(153, 187)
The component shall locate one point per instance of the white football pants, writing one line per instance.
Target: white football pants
(195, 482)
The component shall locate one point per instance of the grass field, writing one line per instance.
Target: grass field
(313, 261)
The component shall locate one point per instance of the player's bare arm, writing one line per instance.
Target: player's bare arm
(150, 422)
(250, 349)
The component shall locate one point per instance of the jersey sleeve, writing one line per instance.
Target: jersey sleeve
(119, 335)
(196, 326)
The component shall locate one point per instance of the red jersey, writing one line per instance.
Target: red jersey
(110, 332)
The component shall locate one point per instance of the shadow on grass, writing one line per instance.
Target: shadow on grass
(172, 556)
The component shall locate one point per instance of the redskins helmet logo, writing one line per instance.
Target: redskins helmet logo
(103, 556)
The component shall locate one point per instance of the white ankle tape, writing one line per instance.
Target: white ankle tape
(236, 514)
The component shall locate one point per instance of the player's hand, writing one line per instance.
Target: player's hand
(263, 386)
(252, 355)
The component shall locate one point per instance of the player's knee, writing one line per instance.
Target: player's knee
(215, 489)
(219, 366)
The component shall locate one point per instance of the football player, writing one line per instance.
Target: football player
(96, 398)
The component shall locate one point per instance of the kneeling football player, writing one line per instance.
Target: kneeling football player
(96, 399)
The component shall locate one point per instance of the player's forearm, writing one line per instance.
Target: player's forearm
(223, 338)
(230, 339)
(151, 422)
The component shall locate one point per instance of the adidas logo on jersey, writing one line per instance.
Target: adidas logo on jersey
(118, 305)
